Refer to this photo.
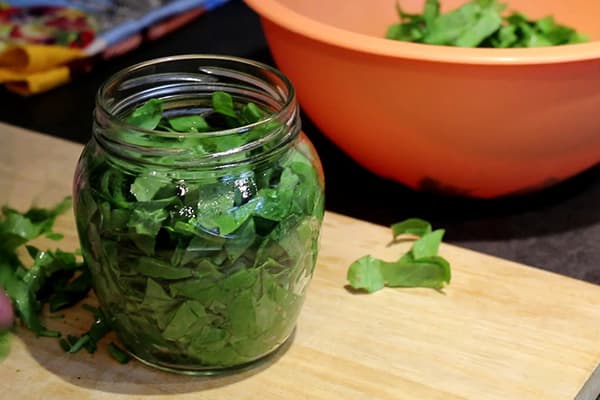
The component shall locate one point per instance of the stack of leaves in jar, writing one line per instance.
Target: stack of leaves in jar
(209, 271)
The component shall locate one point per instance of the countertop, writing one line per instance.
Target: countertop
(557, 229)
(499, 332)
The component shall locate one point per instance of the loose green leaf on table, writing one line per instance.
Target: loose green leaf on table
(421, 266)
(30, 287)
(54, 277)
(427, 245)
(69, 292)
(18, 228)
(5, 338)
(366, 274)
(118, 354)
(99, 328)
(411, 226)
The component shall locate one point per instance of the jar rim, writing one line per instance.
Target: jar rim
(121, 74)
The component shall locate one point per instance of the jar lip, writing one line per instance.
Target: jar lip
(290, 96)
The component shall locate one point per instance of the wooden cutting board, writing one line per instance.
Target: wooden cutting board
(501, 330)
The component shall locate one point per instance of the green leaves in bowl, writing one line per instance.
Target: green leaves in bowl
(421, 266)
(480, 23)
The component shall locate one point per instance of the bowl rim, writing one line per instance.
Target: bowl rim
(291, 20)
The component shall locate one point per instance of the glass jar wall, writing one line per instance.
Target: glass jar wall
(198, 204)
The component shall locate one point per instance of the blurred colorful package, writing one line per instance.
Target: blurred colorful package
(44, 43)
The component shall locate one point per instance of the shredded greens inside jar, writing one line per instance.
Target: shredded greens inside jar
(209, 270)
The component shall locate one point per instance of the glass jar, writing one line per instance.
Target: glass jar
(201, 243)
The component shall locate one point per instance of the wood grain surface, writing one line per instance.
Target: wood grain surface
(499, 331)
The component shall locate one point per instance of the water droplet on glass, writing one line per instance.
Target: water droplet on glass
(187, 212)
(181, 189)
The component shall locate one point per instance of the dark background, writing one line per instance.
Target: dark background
(556, 229)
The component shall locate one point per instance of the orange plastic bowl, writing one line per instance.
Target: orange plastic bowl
(478, 122)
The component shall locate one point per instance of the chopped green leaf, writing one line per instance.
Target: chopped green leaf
(78, 345)
(429, 272)
(145, 187)
(365, 273)
(18, 228)
(506, 37)
(420, 267)
(70, 292)
(99, 328)
(155, 268)
(64, 344)
(447, 28)
(431, 11)
(223, 104)
(489, 21)
(55, 236)
(428, 244)
(189, 123)
(411, 226)
(28, 287)
(5, 337)
(118, 354)
(147, 219)
(251, 113)
(187, 315)
(148, 115)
